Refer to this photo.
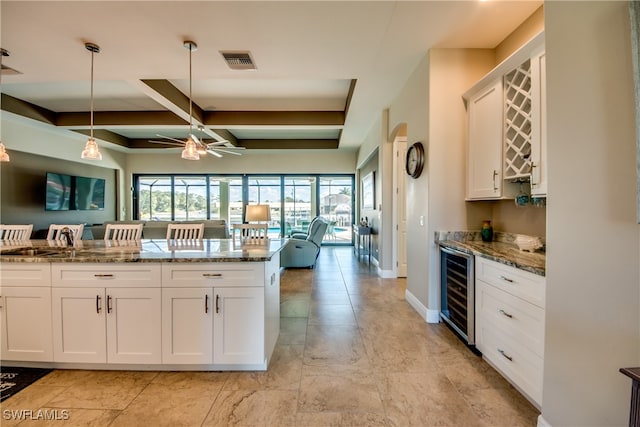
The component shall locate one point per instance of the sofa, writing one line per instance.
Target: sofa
(302, 249)
(213, 228)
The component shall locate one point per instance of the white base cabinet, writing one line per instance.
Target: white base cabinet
(107, 313)
(187, 325)
(25, 312)
(191, 315)
(112, 325)
(510, 323)
(25, 323)
(238, 327)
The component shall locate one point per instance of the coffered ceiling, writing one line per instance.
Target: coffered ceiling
(324, 70)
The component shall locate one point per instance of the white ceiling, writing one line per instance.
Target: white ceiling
(306, 52)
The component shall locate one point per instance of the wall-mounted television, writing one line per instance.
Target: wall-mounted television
(68, 192)
(58, 192)
(89, 193)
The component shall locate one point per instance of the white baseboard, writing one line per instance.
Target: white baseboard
(542, 422)
(429, 315)
(386, 274)
(433, 316)
(416, 304)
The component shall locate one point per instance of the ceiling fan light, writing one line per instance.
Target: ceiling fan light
(190, 151)
(4, 156)
(91, 151)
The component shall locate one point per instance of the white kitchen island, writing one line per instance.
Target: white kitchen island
(149, 305)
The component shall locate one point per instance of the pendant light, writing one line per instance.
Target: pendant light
(190, 151)
(4, 156)
(91, 151)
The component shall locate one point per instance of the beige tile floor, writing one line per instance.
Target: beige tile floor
(351, 352)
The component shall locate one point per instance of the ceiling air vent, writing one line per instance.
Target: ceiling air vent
(239, 60)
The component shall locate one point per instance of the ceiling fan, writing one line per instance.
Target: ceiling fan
(193, 146)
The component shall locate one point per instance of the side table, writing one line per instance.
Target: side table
(362, 241)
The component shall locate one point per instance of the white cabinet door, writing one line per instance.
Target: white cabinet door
(238, 326)
(134, 325)
(484, 174)
(79, 332)
(25, 323)
(539, 128)
(187, 325)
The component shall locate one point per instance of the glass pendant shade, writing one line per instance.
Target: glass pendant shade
(190, 151)
(4, 156)
(91, 151)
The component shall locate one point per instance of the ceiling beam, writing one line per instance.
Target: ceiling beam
(26, 109)
(170, 97)
(106, 136)
(119, 118)
(266, 144)
(288, 144)
(228, 119)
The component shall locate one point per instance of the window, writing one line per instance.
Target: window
(294, 200)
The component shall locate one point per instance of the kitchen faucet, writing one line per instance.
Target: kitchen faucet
(68, 234)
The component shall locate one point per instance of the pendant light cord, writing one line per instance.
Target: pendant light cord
(190, 99)
(91, 126)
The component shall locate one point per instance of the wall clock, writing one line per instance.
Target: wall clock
(415, 160)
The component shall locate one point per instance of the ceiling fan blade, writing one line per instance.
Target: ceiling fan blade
(224, 141)
(214, 153)
(169, 138)
(175, 144)
(224, 151)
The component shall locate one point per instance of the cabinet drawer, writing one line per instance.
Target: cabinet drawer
(521, 366)
(216, 274)
(521, 321)
(520, 283)
(71, 275)
(25, 274)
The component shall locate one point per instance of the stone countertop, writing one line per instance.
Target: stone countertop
(146, 250)
(503, 252)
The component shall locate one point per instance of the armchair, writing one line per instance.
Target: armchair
(302, 250)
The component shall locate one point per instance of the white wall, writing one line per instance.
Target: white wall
(30, 136)
(411, 107)
(593, 240)
(451, 73)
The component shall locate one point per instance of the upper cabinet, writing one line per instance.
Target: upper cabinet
(507, 127)
(484, 109)
(539, 132)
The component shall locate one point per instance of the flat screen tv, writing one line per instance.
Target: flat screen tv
(58, 192)
(89, 193)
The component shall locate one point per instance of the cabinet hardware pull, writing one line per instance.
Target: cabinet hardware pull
(505, 355)
(206, 304)
(108, 303)
(212, 274)
(217, 303)
(98, 304)
(0, 301)
(103, 275)
(506, 279)
(495, 174)
(533, 182)
(510, 316)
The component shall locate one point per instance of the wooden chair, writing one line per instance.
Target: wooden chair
(15, 232)
(185, 231)
(55, 229)
(251, 233)
(123, 232)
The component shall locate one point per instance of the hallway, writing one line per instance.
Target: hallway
(351, 352)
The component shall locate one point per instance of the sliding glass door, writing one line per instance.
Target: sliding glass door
(294, 200)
